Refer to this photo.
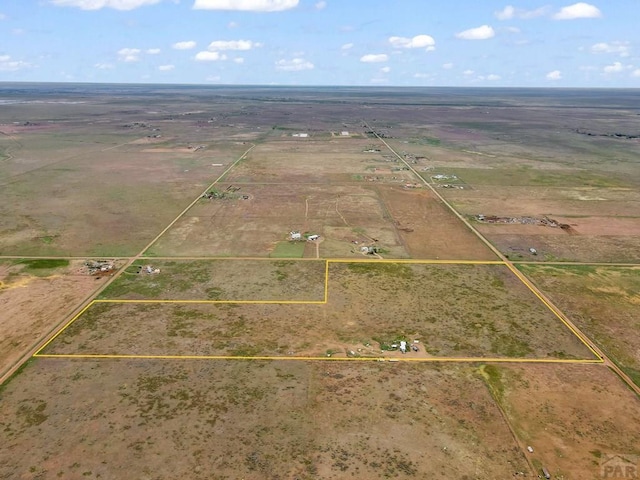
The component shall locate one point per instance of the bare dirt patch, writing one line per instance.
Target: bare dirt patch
(429, 229)
(574, 416)
(569, 248)
(33, 301)
(604, 221)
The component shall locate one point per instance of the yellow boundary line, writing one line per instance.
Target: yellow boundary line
(515, 271)
(64, 327)
(240, 302)
(331, 359)
(558, 315)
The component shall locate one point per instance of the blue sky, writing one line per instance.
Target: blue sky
(323, 42)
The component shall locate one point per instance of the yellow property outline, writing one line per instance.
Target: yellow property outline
(325, 300)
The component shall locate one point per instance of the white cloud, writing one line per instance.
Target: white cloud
(507, 13)
(493, 77)
(238, 60)
(220, 45)
(555, 75)
(98, 4)
(447, 66)
(385, 69)
(153, 51)
(578, 10)
(166, 68)
(294, 65)
(480, 33)
(510, 12)
(129, 54)
(419, 41)
(246, 5)
(616, 67)
(3, 16)
(347, 46)
(321, 5)
(620, 48)
(374, 58)
(232, 25)
(186, 45)
(468, 72)
(512, 29)
(423, 75)
(9, 65)
(103, 66)
(209, 56)
(213, 78)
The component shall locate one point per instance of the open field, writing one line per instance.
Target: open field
(605, 224)
(340, 214)
(266, 347)
(72, 187)
(603, 301)
(224, 280)
(472, 311)
(35, 295)
(253, 420)
(402, 223)
(576, 417)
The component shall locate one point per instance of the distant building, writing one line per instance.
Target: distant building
(344, 133)
(296, 236)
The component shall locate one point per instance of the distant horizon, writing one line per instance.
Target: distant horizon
(494, 43)
(371, 87)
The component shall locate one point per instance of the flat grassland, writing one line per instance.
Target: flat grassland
(221, 279)
(477, 311)
(603, 301)
(253, 420)
(103, 172)
(331, 188)
(78, 187)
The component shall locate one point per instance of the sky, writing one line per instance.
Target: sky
(517, 43)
